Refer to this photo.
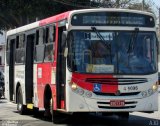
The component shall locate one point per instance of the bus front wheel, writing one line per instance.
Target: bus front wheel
(20, 107)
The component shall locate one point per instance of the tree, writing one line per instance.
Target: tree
(16, 13)
(112, 3)
(138, 6)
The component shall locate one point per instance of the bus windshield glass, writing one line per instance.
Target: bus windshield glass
(89, 54)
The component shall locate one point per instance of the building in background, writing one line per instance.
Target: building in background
(2, 51)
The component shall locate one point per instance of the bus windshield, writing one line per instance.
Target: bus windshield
(118, 53)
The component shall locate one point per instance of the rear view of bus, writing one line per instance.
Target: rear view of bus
(112, 62)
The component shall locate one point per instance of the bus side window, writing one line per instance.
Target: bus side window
(40, 46)
(41, 36)
(20, 53)
(49, 45)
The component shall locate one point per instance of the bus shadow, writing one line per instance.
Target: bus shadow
(143, 121)
(92, 120)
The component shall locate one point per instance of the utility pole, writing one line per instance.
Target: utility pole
(117, 3)
(159, 23)
(143, 4)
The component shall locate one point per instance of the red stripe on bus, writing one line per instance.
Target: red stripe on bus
(56, 18)
(109, 88)
(81, 80)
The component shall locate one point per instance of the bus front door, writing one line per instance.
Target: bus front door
(60, 71)
(29, 68)
(11, 68)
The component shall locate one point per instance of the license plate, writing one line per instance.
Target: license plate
(117, 103)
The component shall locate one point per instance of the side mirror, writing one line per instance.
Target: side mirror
(66, 52)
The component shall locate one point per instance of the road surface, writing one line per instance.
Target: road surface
(10, 117)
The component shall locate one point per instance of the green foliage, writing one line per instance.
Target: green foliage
(15, 13)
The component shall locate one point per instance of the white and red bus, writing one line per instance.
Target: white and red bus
(91, 60)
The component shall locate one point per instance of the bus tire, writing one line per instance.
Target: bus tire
(35, 111)
(20, 107)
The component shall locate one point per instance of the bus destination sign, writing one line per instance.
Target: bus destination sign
(112, 19)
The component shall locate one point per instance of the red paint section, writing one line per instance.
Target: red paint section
(86, 81)
(43, 78)
(54, 18)
(109, 88)
(62, 104)
(44, 73)
(40, 91)
(53, 88)
(56, 43)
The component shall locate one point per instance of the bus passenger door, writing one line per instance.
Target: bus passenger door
(11, 68)
(29, 68)
(61, 71)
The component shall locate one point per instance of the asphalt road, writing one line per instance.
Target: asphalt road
(10, 117)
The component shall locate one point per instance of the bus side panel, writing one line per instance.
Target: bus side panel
(19, 77)
(35, 94)
(43, 78)
(53, 87)
(7, 82)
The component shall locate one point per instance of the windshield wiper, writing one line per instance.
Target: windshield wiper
(133, 38)
(103, 40)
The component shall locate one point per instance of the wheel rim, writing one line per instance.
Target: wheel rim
(19, 106)
(19, 101)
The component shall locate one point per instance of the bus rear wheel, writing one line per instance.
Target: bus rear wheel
(20, 107)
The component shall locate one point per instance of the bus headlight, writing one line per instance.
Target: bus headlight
(150, 91)
(73, 86)
(155, 87)
(78, 90)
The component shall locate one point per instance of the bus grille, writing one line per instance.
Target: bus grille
(106, 105)
(115, 81)
(113, 94)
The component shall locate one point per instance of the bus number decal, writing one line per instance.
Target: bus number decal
(132, 88)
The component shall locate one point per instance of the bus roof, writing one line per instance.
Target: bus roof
(36, 24)
(65, 15)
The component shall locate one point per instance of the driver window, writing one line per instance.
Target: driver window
(100, 53)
